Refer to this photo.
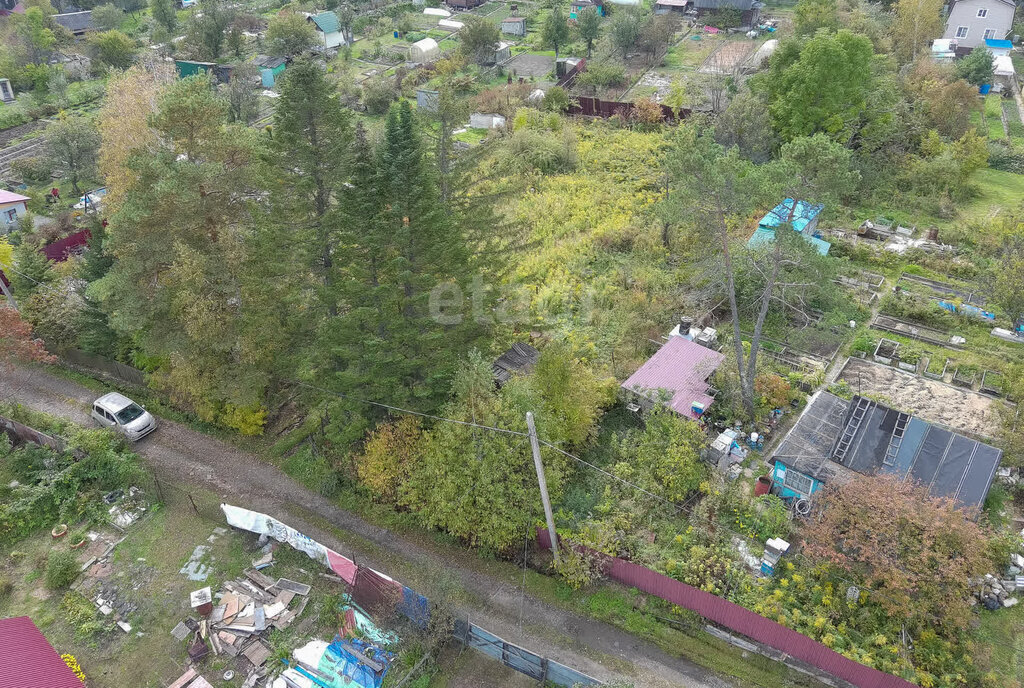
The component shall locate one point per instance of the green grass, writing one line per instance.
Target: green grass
(1002, 631)
(999, 191)
(994, 117)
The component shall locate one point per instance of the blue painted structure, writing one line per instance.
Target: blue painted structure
(804, 220)
(791, 481)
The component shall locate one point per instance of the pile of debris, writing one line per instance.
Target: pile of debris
(358, 657)
(993, 593)
(235, 621)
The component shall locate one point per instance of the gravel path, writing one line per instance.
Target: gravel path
(181, 455)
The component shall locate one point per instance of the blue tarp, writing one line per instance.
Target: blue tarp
(339, 660)
(804, 213)
(415, 607)
(967, 309)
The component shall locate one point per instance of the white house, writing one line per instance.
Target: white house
(328, 29)
(12, 206)
(970, 22)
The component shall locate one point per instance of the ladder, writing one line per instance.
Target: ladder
(852, 426)
(902, 420)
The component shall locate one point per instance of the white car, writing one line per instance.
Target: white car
(124, 415)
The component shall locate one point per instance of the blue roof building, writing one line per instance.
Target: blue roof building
(804, 220)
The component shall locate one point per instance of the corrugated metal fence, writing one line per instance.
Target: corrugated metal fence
(595, 107)
(520, 659)
(104, 366)
(741, 620)
(23, 433)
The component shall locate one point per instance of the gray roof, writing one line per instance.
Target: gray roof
(520, 358)
(75, 22)
(808, 446)
(833, 439)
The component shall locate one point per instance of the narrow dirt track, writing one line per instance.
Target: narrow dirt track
(181, 455)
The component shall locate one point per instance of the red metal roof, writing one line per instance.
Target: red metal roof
(60, 250)
(28, 659)
(11, 197)
(682, 367)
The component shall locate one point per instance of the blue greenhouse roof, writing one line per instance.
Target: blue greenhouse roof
(766, 235)
(805, 212)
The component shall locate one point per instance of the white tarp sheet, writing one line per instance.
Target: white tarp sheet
(255, 522)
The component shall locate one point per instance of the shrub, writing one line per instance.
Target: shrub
(600, 76)
(32, 170)
(247, 420)
(528, 150)
(579, 568)
(378, 94)
(61, 569)
(313, 471)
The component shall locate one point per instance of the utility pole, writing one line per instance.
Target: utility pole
(538, 464)
(7, 292)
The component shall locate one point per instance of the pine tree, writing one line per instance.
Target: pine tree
(313, 146)
(402, 243)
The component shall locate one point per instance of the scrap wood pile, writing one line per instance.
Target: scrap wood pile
(246, 610)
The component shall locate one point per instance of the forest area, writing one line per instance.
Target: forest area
(331, 273)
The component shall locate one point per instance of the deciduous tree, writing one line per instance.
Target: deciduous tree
(625, 30)
(17, 343)
(107, 17)
(917, 23)
(977, 67)
(164, 13)
(124, 125)
(289, 34)
(478, 40)
(588, 26)
(114, 49)
(555, 31)
(73, 144)
(916, 552)
(812, 15)
(820, 86)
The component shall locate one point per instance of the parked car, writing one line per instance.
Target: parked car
(124, 415)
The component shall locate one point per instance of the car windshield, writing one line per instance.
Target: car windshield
(129, 413)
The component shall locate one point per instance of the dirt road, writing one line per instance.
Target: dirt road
(181, 455)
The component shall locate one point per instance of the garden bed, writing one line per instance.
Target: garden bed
(964, 376)
(935, 371)
(992, 383)
(886, 350)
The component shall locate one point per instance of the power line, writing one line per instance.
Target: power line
(399, 409)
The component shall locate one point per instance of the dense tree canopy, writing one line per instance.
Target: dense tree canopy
(821, 85)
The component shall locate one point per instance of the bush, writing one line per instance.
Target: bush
(528, 149)
(32, 170)
(247, 420)
(61, 569)
(600, 76)
(378, 94)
